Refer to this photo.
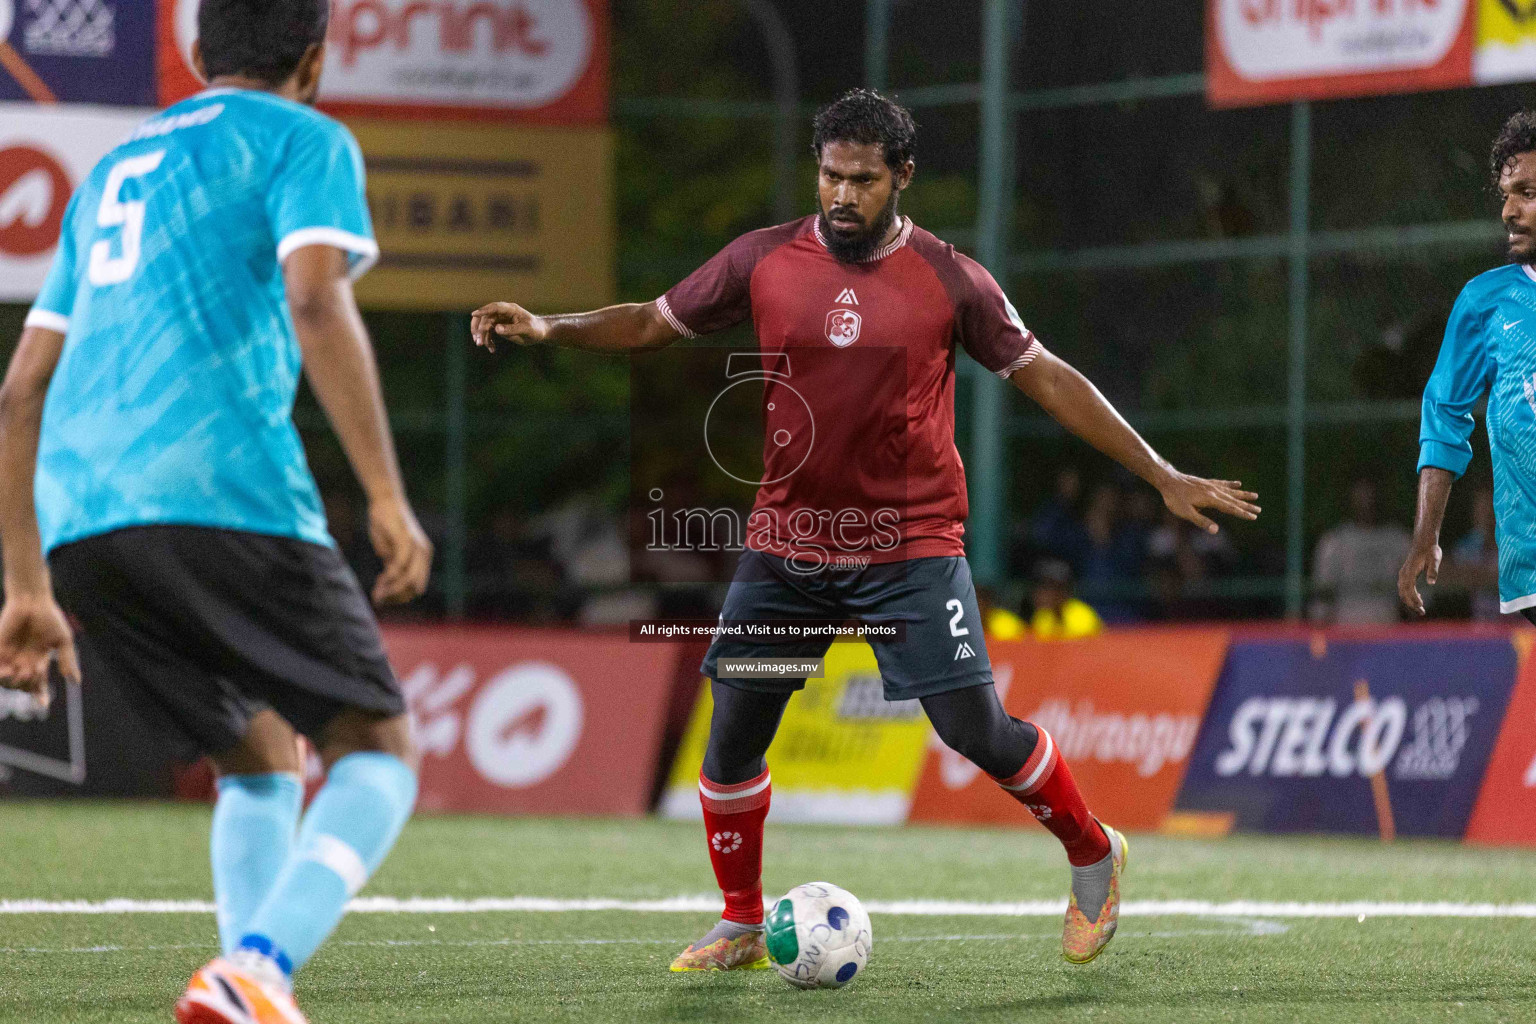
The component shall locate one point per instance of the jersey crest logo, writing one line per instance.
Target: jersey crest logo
(847, 298)
(843, 327)
(964, 651)
(1529, 383)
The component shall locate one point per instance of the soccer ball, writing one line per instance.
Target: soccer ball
(819, 936)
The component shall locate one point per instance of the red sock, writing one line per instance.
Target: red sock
(1046, 788)
(733, 822)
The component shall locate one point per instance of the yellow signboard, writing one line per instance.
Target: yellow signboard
(842, 755)
(467, 214)
(1506, 42)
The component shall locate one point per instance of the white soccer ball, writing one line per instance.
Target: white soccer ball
(819, 936)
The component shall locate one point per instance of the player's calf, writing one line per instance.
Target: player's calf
(1046, 788)
(733, 827)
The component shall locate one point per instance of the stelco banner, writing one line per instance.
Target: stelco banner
(525, 60)
(1123, 707)
(529, 722)
(1271, 51)
(843, 754)
(1369, 736)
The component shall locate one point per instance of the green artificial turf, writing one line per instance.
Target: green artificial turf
(611, 965)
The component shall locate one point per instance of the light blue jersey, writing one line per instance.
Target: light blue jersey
(1490, 347)
(173, 399)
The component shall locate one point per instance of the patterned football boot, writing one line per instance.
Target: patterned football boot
(748, 952)
(1082, 939)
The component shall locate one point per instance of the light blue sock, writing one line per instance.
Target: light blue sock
(350, 827)
(253, 825)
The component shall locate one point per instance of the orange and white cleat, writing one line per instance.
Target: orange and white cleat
(229, 992)
(747, 952)
(1082, 939)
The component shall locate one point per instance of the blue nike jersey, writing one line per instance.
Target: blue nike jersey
(173, 398)
(1490, 347)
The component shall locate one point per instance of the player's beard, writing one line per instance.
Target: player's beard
(858, 247)
(1525, 256)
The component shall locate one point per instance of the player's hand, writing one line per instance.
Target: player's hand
(506, 320)
(1423, 557)
(1186, 495)
(403, 547)
(33, 632)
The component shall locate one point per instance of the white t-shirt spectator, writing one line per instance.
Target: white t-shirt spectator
(1355, 573)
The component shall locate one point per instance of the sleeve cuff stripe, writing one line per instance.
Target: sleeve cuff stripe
(366, 248)
(48, 320)
(1024, 360)
(665, 309)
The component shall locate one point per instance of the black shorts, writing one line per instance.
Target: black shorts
(933, 598)
(201, 628)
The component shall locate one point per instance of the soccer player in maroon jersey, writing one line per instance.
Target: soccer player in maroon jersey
(868, 525)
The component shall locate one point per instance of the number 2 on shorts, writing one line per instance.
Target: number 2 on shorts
(955, 629)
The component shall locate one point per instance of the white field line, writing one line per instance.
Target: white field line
(895, 908)
(1239, 929)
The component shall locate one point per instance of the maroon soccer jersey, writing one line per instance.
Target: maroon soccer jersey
(859, 449)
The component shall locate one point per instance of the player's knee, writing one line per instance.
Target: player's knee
(356, 733)
(269, 746)
(998, 751)
(965, 739)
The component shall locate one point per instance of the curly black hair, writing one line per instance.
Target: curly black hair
(1517, 136)
(265, 39)
(865, 117)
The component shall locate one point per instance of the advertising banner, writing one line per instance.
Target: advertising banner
(531, 722)
(1124, 708)
(1506, 42)
(1272, 51)
(466, 215)
(544, 61)
(78, 51)
(44, 153)
(1387, 736)
(1506, 807)
(843, 754)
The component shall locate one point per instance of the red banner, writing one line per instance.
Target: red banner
(543, 61)
(1274, 51)
(533, 722)
(1505, 812)
(1124, 708)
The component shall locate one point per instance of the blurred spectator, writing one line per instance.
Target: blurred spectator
(1116, 549)
(590, 545)
(997, 622)
(1474, 562)
(511, 575)
(1354, 575)
(1058, 614)
(1181, 561)
(1054, 529)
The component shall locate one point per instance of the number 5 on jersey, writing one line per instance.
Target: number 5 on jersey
(105, 268)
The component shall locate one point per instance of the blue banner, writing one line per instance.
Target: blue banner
(78, 51)
(1351, 736)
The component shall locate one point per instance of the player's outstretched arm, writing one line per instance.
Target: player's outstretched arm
(32, 627)
(1424, 551)
(340, 365)
(629, 327)
(1073, 401)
